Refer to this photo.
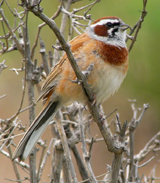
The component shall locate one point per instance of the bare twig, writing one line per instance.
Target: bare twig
(11, 180)
(19, 47)
(10, 134)
(28, 78)
(51, 61)
(2, 66)
(138, 25)
(2, 96)
(150, 146)
(145, 162)
(67, 155)
(1, 3)
(81, 166)
(44, 56)
(17, 70)
(57, 158)
(22, 164)
(84, 149)
(42, 163)
(40, 27)
(14, 166)
(6, 48)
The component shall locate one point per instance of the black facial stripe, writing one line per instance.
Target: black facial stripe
(114, 30)
(116, 24)
(112, 35)
(112, 25)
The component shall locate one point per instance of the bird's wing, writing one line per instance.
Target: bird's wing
(54, 76)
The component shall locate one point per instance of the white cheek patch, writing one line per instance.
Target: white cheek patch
(110, 31)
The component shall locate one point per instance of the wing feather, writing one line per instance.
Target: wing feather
(55, 75)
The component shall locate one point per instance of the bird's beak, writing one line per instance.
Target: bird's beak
(124, 26)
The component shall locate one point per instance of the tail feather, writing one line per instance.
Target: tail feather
(34, 132)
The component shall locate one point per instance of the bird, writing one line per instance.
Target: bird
(103, 45)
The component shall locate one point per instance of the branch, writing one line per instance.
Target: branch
(150, 146)
(43, 163)
(67, 155)
(138, 25)
(41, 26)
(2, 66)
(57, 156)
(28, 78)
(132, 127)
(22, 164)
(84, 149)
(44, 57)
(14, 165)
(19, 47)
(73, 137)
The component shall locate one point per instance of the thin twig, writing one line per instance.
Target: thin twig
(22, 164)
(2, 66)
(10, 134)
(28, 78)
(144, 164)
(43, 163)
(3, 96)
(40, 27)
(67, 155)
(84, 149)
(11, 180)
(12, 137)
(139, 24)
(44, 56)
(14, 165)
(19, 47)
(148, 148)
(6, 48)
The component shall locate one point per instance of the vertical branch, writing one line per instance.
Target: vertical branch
(84, 149)
(57, 156)
(71, 136)
(117, 161)
(14, 164)
(51, 60)
(44, 56)
(81, 166)
(67, 155)
(116, 164)
(131, 170)
(28, 71)
(64, 17)
(43, 162)
(66, 172)
(62, 28)
(56, 163)
(138, 25)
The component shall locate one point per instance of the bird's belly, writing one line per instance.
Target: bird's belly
(108, 82)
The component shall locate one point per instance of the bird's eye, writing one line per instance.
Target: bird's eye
(109, 25)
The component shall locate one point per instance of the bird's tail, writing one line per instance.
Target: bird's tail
(34, 132)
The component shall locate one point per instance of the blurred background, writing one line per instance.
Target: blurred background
(142, 82)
